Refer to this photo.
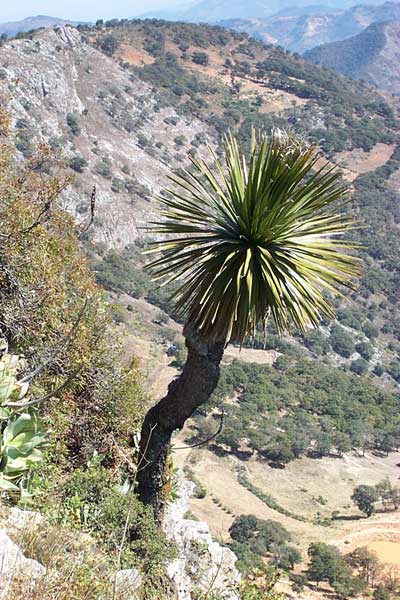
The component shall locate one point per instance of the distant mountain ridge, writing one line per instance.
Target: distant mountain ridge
(372, 55)
(212, 11)
(299, 32)
(11, 28)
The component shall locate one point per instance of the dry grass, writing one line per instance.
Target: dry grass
(76, 568)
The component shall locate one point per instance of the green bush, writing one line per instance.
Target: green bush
(78, 163)
(104, 167)
(200, 58)
(94, 502)
(341, 341)
(359, 366)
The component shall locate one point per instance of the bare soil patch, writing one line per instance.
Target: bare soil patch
(133, 56)
(388, 552)
(358, 161)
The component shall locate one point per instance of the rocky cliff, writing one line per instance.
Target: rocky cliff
(63, 91)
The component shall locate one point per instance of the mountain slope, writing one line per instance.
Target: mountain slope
(126, 103)
(210, 11)
(11, 28)
(372, 55)
(144, 101)
(300, 30)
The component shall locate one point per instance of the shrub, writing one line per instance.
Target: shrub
(200, 58)
(117, 185)
(359, 366)
(94, 502)
(365, 349)
(73, 124)
(341, 341)
(365, 496)
(108, 44)
(104, 167)
(78, 163)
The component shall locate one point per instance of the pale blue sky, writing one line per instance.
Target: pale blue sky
(80, 10)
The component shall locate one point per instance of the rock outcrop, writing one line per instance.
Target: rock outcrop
(62, 91)
(202, 565)
(13, 563)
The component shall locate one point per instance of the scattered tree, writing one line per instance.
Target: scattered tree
(365, 496)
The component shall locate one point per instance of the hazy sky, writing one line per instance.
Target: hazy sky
(89, 10)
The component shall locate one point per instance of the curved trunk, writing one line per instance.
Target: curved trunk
(185, 394)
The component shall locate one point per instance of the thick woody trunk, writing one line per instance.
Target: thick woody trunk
(185, 394)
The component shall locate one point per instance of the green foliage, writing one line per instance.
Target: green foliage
(380, 593)
(305, 410)
(259, 584)
(359, 366)
(365, 349)
(365, 496)
(104, 167)
(44, 281)
(22, 436)
(78, 163)
(341, 341)
(108, 44)
(285, 557)
(94, 502)
(317, 342)
(327, 564)
(200, 58)
(255, 538)
(241, 245)
(73, 123)
(298, 582)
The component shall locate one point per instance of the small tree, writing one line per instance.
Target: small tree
(366, 562)
(200, 58)
(244, 528)
(342, 442)
(365, 496)
(327, 564)
(341, 341)
(109, 44)
(78, 163)
(247, 238)
(285, 556)
(359, 366)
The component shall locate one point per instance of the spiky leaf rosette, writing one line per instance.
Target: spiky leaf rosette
(253, 237)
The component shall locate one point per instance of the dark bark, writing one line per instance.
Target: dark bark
(185, 394)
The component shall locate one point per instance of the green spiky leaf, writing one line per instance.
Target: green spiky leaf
(255, 236)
